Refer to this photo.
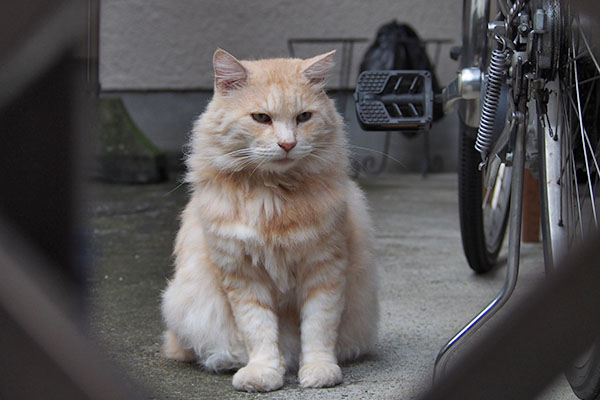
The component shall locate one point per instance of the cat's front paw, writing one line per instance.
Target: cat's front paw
(258, 377)
(319, 374)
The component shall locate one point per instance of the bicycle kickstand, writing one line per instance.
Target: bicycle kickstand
(514, 248)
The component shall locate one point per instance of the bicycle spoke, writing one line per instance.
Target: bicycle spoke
(588, 98)
(573, 181)
(564, 128)
(583, 137)
(588, 80)
(588, 144)
(588, 47)
(592, 153)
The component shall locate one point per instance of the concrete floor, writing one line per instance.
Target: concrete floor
(428, 292)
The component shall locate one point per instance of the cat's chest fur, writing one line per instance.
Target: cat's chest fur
(276, 228)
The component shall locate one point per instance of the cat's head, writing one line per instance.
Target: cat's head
(271, 116)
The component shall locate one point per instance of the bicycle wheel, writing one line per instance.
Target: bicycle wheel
(483, 213)
(483, 209)
(569, 136)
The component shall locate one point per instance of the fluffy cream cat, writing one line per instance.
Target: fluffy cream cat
(273, 258)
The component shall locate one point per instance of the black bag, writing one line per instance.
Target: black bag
(398, 46)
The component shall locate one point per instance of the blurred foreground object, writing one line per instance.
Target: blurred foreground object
(48, 79)
(526, 350)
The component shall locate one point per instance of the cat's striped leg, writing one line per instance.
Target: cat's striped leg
(321, 310)
(253, 309)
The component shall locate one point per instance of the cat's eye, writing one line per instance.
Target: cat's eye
(305, 116)
(262, 118)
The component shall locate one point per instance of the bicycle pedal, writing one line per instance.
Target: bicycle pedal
(399, 100)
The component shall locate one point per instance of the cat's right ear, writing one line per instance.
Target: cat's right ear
(230, 74)
(317, 68)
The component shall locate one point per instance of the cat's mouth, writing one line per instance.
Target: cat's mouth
(284, 161)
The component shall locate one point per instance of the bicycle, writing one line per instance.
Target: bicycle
(528, 97)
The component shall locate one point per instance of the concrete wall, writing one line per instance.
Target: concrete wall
(157, 55)
(168, 44)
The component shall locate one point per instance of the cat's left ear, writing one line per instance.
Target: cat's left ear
(317, 68)
(229, 72)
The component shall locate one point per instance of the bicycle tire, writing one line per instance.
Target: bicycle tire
(482, 229)
(584, 374)
(569, 136)
(480, 251)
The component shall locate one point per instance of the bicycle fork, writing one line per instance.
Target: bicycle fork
(514, 244)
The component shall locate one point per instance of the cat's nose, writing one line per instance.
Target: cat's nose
(287, 146)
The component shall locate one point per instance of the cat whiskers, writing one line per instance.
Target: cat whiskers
(211, 156)
(321, 152)
(181, 183)
(241, 157)
(236, 160)
(303, 151)
(380, 153)
(246, 151)
(261, 162)
(321, 158)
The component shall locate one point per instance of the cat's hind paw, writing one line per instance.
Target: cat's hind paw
(173, 349)
(319, 374)
(257, 377)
